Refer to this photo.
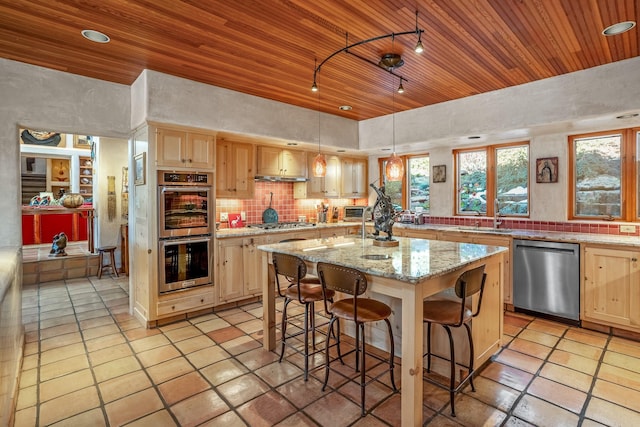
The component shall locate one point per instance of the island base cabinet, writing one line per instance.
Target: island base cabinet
(611, 287)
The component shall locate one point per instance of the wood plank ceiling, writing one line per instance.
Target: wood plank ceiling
(267, 48)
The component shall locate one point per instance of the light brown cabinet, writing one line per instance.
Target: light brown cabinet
(235, 169)
(274, 161)
(181, 149)
(611, 287)
(354, 178)
(240, 272)
(324, 187)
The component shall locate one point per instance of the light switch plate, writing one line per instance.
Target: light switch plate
(627, 228)
(243, 215)
(224, 216)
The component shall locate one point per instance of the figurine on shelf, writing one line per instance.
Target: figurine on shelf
(59, 243)
(383, 214)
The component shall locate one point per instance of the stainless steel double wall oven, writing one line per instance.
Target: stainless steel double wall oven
(186, 221)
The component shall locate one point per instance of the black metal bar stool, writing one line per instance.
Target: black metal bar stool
(454, 314)
(111, 251)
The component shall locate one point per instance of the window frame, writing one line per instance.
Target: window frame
(629, 186)
(405, 202)
(491, 190)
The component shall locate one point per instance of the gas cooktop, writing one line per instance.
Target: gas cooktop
(278, 225)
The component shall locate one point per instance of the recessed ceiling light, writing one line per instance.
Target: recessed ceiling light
(345, 107)
(95, 36)
(385, 149)
(627, 116)
(474, 137)
(618, 28)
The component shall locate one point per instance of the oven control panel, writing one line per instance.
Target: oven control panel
(184, 178)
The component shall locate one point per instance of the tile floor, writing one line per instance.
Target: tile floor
(89, 363)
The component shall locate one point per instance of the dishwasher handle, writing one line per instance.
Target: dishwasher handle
(545, 248)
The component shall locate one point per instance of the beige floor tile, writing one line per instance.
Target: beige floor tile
(242, 389)
(26, 417)
(66, 384)
(96, 322)
(207, 356)
(223, 371)
(63, 367)
(212, 325)
(60, 341)
(619, 376)
(574, 361)
(157, 419)
(507, 375)
(69, 405)
(493, 393)
(55, 331)
(194, 344)
(240, 345)
(617, 394)
(300, 392)
(199, 408)
(48, 323)
(124, 385)
(27, 396)
(624, 346)
(133, 407)
(470, 411)
(157, 355)
(561, 395)
(181, 334)
(110, 353)
(343, 413)
(100, 331)
(539, 337)
(92, 314)
(564, 375)
(586, 336)
(183, 387)
(148, 343)
(28, 377)
(620, 360)
(611, 414)
(62, 353)
(521, 361)
(581, 349)
(530, 348)
(115, 368)
(548, 327)
(276, 373)
(105, 342)
(541, 413)
(257, 358)
(170, 369)
(93, 418)
(251, 326)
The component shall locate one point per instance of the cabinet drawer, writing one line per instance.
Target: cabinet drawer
(191, 302)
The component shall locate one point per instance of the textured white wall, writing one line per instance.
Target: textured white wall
(39, 98)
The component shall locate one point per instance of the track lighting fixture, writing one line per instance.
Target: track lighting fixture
(400, 88)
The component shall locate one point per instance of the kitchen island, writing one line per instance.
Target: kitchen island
(410, 272)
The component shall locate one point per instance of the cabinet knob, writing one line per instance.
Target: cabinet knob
(148, 251)
(634, 259)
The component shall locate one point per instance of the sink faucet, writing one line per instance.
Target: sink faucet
(496, 214)
(364, 215)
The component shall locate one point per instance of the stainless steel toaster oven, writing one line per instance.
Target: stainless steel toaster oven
(354, 213)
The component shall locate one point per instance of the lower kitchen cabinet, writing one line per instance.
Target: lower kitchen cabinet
(611, 287)
(239, 268)
(180, 302)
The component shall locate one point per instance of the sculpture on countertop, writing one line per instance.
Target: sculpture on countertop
(383, 214)
(59, 243)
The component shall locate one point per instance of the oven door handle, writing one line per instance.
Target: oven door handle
(183, 241)
(184, 189)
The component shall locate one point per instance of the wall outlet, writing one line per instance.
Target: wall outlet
(243, 215)
(224, 216)
(627, 228)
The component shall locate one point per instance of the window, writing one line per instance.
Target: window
(493, 178)
(417, 180)
(604, 175)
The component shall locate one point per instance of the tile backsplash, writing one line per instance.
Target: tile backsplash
(288, 208)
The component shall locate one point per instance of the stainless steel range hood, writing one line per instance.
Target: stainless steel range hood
(267, 178)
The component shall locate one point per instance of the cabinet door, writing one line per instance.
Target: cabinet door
(332, 179)
(354, 178)
(171, 146)
(269, 161)
(612, 287)
(224, 170)
(230, 265)
(243, 159)
(294, 163)
(199, 151)
(253, 276)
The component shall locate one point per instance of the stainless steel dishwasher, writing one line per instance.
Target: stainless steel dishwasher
(546, 278)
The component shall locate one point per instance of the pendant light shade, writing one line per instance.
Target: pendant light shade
(319, 165)
(394, 170)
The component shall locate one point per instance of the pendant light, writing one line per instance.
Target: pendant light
(319, 164)
(394, 170)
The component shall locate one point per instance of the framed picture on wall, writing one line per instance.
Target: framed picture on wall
(547, 170)
(440, 173)
(82, 141)
(140, 169)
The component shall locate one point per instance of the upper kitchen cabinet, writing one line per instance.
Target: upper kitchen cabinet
(179, 149)
(321, 187)
(235, 169)
(354, 178)
(611, 288)
(283, 163)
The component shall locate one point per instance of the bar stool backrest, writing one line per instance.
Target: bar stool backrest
(289, 266)
(342, 279)
(470, 283)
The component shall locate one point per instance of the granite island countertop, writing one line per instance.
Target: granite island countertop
(255, 231)
(412, 261)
